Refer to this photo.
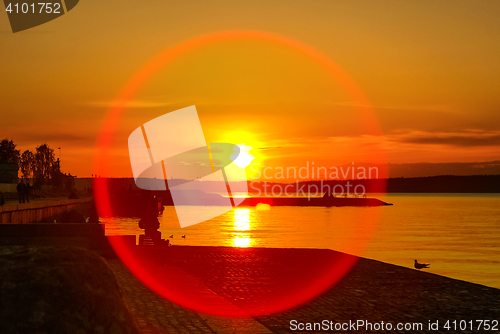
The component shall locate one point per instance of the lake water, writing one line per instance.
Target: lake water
(459, 234)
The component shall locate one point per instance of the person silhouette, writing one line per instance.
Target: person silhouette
(20, 191)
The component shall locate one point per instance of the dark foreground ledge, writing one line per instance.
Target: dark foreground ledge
(90, 236)
(60, 290)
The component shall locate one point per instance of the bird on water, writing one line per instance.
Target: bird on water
(421, 265)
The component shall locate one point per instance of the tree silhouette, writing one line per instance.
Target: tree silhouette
(8, 152)
(27, 164)
(44, 161)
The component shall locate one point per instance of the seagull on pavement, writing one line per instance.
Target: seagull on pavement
(421, 265)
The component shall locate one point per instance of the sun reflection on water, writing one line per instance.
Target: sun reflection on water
(241, 242)
(241, 220)
(242, 224)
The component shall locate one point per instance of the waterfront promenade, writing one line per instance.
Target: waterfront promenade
(372, 291)
(39, 210)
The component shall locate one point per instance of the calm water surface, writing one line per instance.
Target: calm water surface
(459, 234)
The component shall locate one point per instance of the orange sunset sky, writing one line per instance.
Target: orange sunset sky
(430, 72)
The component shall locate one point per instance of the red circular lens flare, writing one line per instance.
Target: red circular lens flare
(173, 287)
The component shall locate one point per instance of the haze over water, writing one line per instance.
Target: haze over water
(459, 234)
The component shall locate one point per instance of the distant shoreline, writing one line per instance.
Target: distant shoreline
(431, 184)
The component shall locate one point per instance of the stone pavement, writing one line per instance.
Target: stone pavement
(247, 279)
(374, 291)
(156, 315)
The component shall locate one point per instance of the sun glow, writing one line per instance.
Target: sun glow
(244, 158)
(248, 144)
(239, 137)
